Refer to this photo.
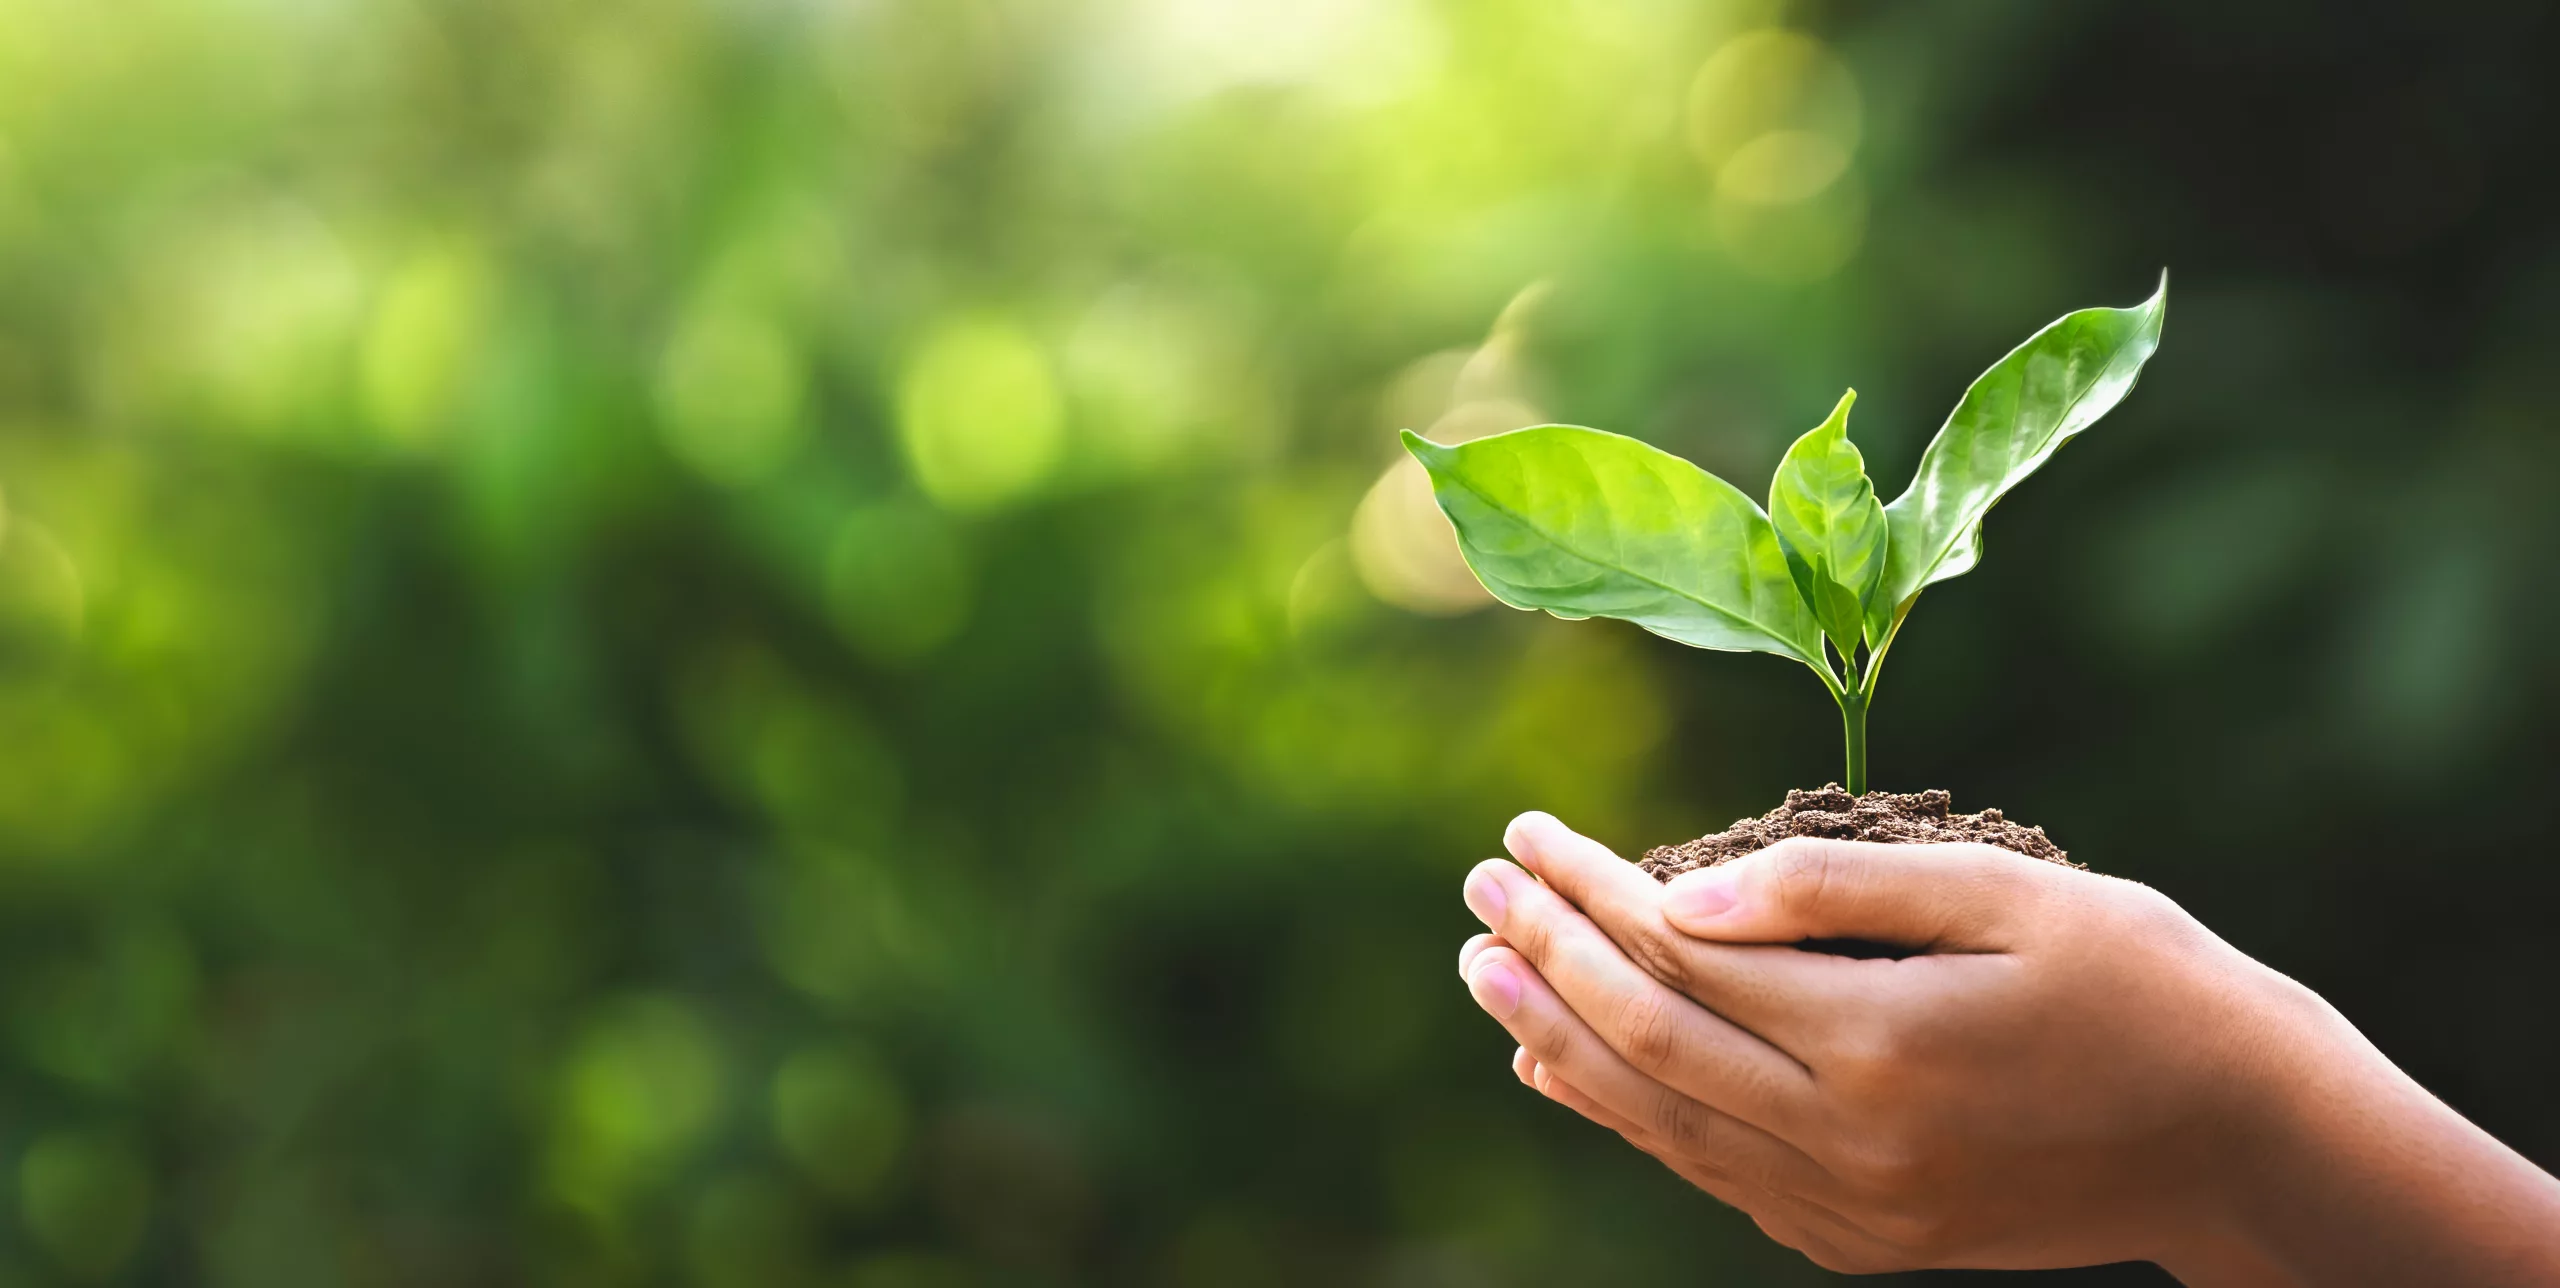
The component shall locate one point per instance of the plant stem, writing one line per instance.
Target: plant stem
(1853, 726)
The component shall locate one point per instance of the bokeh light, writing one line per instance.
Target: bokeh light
(980, 415)
(640, 1086)
(85, 1196)
(732, 389)
(785, 642)
(1777, 119)
(840, 1115)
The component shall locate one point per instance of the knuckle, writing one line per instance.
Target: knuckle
(1528, 933)
(1686, 1125)
(2114, 915)
(1647, 1032)
(2156, 915)
(1655, 954)
(1551, 1041)
(1801, 871)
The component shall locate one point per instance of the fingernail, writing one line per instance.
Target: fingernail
(1485, 898)
(1496, 989)
(1701, 896)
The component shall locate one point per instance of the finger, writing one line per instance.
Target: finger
(1661, 1033)
(1547, 1082)
(1616, 895)
(1704, 1173)
(1588, 874)
(1468, 950)
(1831, 1240)
(1798, 1216)
(1512, 991)
(1794, 1001)
(1941, 898)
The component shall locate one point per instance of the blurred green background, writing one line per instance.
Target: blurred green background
(782, 642)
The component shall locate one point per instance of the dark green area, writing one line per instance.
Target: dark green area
(738, 643)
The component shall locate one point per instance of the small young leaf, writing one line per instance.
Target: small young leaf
(2014, 417)
(1831, 527)
(1583, 523)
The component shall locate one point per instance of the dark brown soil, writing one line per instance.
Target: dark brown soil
(1877, 816)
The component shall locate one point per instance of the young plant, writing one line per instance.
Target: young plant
(1584, 523)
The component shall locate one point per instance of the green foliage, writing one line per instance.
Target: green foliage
(1589, 524)
(1583, 523)
(640, 640)
(2013, 419)
(1831, 526)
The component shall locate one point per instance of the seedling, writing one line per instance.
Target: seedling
(1585, 523)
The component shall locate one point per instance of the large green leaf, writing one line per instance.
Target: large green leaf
(2013, 418)
(1831, 527)
(1583, 523)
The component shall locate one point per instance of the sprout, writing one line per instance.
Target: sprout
(1584, 523)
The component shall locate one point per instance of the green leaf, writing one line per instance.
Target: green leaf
(1583, 523)
(2013, 418)
(1831, 527)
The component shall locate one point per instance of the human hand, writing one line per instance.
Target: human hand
(2068, 1070)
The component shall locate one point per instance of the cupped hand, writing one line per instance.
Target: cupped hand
(2061, 1069)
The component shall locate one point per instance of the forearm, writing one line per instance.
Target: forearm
(2359, 1176)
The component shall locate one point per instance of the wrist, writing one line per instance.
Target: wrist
(2337, 1166)
(2279, 1041)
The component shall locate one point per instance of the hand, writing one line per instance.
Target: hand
(2068, 1070)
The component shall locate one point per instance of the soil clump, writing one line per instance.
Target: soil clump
(1894, 818)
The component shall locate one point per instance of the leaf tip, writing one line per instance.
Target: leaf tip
(1837, 423)
(2151, 317)
(1418, 445)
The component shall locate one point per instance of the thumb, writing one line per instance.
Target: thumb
(1961, 897)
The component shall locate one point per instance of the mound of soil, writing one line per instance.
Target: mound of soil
(1891, 817)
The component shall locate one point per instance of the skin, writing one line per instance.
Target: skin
(2068, 1070)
